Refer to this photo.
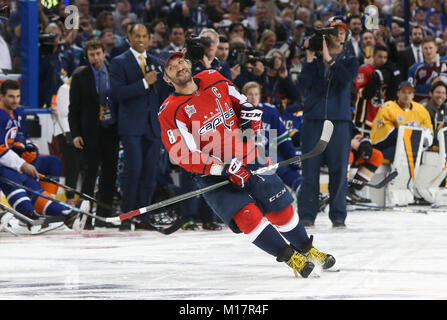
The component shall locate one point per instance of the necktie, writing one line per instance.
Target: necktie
(102, 87)
(142, 64)
(419, 55)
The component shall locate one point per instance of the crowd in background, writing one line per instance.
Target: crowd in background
(272, 33)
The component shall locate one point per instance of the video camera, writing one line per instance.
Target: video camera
(46, 43)
(242, 56)
(195, 47)
(316, 38)
(5, 12)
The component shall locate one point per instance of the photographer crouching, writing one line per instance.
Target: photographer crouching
(326, 78)
(201, 51)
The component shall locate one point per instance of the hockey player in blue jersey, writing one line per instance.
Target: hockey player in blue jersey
(16, 138)
(281, 140)
(20, 169)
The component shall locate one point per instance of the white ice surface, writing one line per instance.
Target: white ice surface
(380, 256)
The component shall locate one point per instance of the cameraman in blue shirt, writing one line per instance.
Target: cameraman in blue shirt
(326, 79)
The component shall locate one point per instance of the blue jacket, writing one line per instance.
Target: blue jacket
(137, 107)
(315, 85)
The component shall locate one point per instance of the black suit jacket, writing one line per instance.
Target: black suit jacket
(406, 60)
(83, 115)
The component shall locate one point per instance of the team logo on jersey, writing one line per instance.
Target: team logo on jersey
(399, 118)
(190, 110)
(422, 73)
(216, 121)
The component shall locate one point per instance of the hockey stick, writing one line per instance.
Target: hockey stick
(114, 220)
(326, 134)
(82, 195)
(384, 182)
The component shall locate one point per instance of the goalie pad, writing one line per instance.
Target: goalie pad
(432, 172)
(407, 159)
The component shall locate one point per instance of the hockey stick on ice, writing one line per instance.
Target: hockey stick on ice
(384, 182)
(114, 220)
(82, 195)
(326, 134)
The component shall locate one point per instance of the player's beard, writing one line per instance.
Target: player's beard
(182, 81)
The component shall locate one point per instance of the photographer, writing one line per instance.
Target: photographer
(326, 77)
(251, 62)
(208, 40)
(277, 84)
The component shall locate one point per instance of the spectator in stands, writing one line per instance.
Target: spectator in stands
(160, 33)
(223, 49)
(354, 44)
(294, 44)
(84, 10)
(189, 14)
(413, 53)
(213, 10)
(237, 29)
(267, 41)
(106, 20)
(176, 38)
(436, 105)
(419, 16)
(108, 40)
(121, 12)
(422, 74)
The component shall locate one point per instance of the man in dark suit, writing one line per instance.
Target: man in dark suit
(93, 126)
(137, 84)
(412, 54)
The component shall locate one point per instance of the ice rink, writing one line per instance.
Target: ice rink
(380, 255)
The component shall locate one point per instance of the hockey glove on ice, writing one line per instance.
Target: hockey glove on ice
(251, 118)
(238, 173)
(365, 148)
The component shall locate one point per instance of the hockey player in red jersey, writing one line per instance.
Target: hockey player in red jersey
(203, 125)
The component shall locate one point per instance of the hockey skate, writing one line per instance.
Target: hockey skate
(296, 261)
(70, 219)
(353, 197)
(325, 260)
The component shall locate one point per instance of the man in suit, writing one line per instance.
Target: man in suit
(354, 44)
(93, 126)
(412, 54)
(137, 84)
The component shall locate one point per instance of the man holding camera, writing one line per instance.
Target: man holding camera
(208, 59)
(326, 78)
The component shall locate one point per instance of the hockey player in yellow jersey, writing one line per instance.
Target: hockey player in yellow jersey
(392, 114)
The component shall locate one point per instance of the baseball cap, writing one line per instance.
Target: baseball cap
(173, 55)
(336, 21)
(297, 24)
(405, 84)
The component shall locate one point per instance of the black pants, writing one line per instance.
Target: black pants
(101, 154)
(71, 159)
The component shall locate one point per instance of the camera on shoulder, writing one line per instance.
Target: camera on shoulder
(242, 56)
(195, 47)
(316, 37)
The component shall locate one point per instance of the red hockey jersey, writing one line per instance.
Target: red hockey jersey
(203, 128)
(366, 107)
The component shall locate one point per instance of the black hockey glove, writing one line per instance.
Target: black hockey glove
(365, 148)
